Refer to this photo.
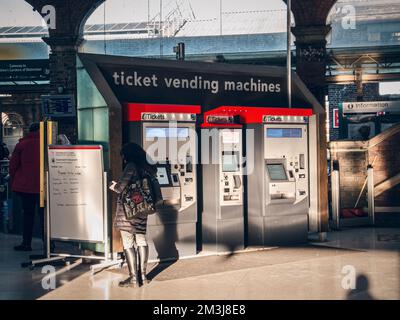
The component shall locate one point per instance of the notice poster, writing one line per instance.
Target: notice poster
(76, 193)
(335, 118)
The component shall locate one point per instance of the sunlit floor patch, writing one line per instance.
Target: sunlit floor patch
(247, 260)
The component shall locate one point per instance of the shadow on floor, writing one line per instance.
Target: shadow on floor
(159, 268)
(361, 290)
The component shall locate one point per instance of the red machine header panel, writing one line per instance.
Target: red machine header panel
(134, 111)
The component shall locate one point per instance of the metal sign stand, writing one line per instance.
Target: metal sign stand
(53, 257)
(107, 263)
(335, 190)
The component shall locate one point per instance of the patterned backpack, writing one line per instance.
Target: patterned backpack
(138, 198)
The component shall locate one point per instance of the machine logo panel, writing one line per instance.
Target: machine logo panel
(220, 119)
(285, 119)
(153, 116)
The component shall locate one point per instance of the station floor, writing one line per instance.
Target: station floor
(312, 271)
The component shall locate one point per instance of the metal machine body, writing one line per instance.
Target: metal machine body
(170, 140)
(222, 215)
(278, 188)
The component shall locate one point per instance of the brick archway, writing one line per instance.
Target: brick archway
(306, 13)
(310, 31)
(311, 12)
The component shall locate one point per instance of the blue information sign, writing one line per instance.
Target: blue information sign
(56, 106)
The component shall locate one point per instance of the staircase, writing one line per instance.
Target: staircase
(382, 218)
(387, 184)
(382, 152)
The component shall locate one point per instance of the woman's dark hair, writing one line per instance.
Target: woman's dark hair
(132, 152)
(34, 127)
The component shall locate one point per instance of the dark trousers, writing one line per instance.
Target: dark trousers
(31, 203)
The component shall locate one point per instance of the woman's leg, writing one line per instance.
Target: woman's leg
(143, 250)
(128, 241)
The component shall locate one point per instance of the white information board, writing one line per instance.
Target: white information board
(76, 193)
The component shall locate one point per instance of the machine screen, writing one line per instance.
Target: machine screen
(182, 132)
(276, 171)
(284, 133)
(162, 176)
(158, 132)
(230, 137)
(230, 162)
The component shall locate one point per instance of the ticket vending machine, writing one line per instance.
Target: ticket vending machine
(222, 215)
(170, 140)
(278, 188)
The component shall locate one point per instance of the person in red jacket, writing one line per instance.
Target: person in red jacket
(25, 181)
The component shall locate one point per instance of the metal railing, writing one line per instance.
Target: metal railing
(337, 220)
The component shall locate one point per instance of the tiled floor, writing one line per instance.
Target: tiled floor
(315, 271)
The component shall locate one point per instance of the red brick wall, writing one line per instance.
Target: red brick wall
(352, 176)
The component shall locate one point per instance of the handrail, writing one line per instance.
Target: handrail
(387, 184)
(384, 135)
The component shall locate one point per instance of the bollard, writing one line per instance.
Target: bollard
(335, 190)
(371, 194)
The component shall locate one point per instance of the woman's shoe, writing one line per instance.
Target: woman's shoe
(130, 258)
(128, 282)
(145, 280)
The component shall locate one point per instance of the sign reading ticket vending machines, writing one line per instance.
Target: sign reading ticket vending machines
(167, 134)
(266, 199)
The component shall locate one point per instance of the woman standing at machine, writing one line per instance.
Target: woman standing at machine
(137, 196)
